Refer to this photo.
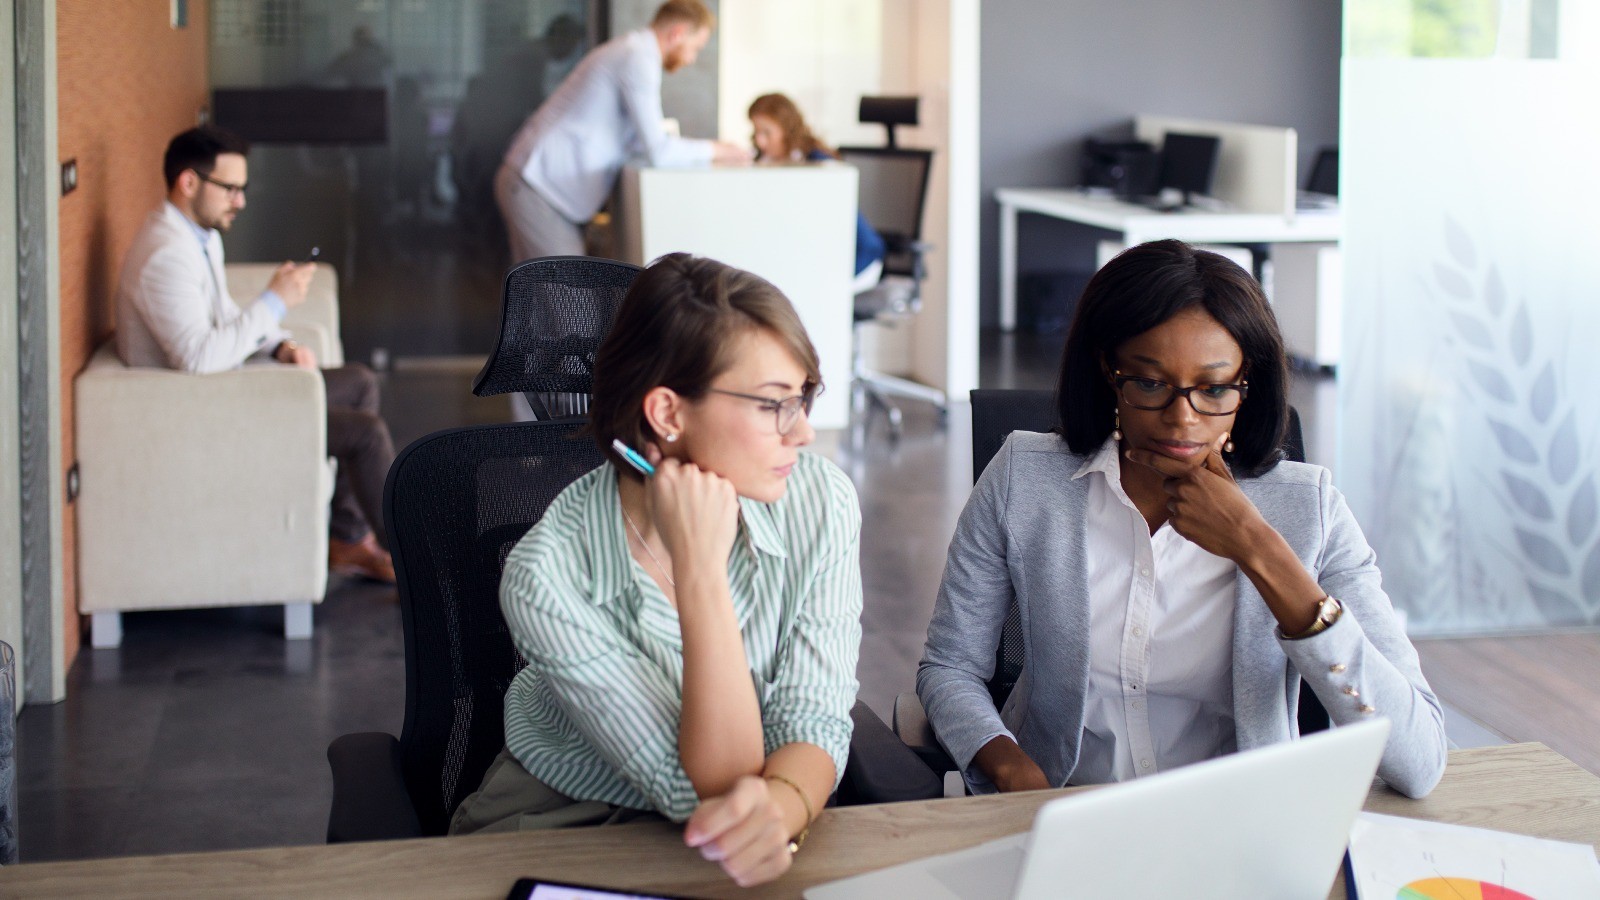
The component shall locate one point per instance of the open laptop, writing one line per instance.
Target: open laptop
(1271, 822)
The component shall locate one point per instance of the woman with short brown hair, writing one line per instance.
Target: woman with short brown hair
(691, 634)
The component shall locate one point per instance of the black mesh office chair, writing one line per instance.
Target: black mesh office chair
(892, 195)
(995, 414)
(455, 504)
(556, 311)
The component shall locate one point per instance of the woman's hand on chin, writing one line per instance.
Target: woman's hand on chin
(743, 831)
(1204, 503)
(696, 512)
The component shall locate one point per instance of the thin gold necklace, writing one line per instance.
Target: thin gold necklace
(646, 546)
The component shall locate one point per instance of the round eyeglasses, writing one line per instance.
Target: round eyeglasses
(1205, 399)
(786, 411)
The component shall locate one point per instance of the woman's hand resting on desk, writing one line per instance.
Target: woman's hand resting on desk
(745, 831)
(1205, 504)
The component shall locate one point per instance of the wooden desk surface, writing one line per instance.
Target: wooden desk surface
(1525, 788)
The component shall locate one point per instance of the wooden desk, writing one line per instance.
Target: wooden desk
(1137, 224)
(1525, 788)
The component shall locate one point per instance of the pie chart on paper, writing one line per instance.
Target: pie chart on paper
(1457, 889)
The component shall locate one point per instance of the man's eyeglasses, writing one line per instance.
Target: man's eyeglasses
(234, 190)
(1205, 399)
(785, 412)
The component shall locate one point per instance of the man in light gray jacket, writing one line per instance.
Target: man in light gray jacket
(174, 311)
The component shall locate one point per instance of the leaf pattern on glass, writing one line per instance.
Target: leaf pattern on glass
(1528, 497)
(1521, 334)
(1459, 244)
(1492, 381)
(1582, 512)
(1494, 292)
(1542, 396)
(1557, 608)
(1589, 578)
(1473, 331)
(1453, 282)
(1514, 443)
(1543, 552)
(1564, 451)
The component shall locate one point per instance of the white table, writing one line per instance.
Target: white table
(1138, 224)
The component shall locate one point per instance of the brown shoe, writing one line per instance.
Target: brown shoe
(364, 558)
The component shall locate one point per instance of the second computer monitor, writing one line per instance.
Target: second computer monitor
(1189, 162)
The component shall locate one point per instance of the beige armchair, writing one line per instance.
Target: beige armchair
(206, 490)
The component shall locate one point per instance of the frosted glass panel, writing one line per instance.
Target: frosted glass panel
(1470, 424)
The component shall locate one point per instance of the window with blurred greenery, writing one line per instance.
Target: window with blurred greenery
(1452, 29)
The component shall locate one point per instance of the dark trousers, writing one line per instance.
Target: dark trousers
(359, 440)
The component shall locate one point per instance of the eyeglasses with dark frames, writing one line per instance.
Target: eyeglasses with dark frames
(785, 411)
(234, 190)
(1205, 399)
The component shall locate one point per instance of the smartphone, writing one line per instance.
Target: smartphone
(632, 457)
(536, 889)
(311, 256)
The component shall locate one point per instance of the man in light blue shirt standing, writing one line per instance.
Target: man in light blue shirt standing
(563, 163)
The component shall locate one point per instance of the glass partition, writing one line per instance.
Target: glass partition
(410, 221)
(1469, 423)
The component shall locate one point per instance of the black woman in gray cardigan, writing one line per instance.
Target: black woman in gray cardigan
(1176, 578)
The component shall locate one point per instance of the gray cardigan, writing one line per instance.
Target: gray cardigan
(1022, 535)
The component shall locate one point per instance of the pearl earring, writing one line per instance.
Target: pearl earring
(671, 438)
(1116, 425)
(1227, 443)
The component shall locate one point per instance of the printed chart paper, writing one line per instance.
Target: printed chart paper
(1396, 858)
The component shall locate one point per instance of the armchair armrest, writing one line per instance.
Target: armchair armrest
(246, 281)
(370, 800)
(881, 769)
(216, 484)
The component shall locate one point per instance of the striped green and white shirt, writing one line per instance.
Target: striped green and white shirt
(595, 713)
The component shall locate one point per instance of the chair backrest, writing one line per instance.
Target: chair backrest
(892, 195)
(997, 413)
(556, 312)
(455, 504)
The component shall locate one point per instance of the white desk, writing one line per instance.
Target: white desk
(1138, 224)
(792, 225)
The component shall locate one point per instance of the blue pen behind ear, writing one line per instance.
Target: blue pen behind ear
(633, 457)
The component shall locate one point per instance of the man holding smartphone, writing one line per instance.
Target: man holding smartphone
(174, 311)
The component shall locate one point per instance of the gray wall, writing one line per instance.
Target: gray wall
(1057, 70)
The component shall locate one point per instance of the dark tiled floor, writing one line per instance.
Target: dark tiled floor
(206, 730)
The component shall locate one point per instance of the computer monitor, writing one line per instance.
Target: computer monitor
(1325, 173)
(1189, 162)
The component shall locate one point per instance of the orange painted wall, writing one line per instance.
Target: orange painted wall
(127, 81)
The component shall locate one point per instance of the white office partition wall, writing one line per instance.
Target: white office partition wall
(792, 225)
(1469, 430)
(1256, 166)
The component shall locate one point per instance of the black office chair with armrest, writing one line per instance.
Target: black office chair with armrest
(455, 504)
(556, 311)
(892, 195)
(995, 414)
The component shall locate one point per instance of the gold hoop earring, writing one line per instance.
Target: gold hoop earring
(1116, 425)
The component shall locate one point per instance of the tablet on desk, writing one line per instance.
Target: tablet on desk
(536, 889)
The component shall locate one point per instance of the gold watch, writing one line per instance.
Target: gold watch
(1328, 612)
